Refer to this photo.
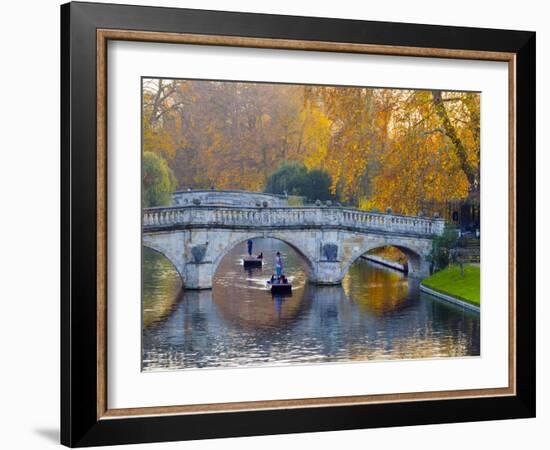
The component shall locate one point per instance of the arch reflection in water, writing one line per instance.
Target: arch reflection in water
(377, 313)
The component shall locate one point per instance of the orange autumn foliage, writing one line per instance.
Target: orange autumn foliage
(382, 147)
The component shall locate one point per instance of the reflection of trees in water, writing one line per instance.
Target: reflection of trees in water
(377, 314)
(245, 304)
(197, 311)
(375, 291)
(263, 310)
(379, 291)
(161, 287)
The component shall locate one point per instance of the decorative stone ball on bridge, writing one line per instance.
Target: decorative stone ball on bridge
(195, 238)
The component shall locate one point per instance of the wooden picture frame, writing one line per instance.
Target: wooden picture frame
(85, 416)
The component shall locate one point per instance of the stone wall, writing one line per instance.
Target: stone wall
(227, 198)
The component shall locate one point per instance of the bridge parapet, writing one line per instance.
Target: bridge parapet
(158, 219)
(227, 198)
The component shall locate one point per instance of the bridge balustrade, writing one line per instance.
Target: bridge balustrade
(284, 217)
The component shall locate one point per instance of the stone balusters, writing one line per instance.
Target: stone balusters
(288, 216)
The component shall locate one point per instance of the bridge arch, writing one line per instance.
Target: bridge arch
(161, 243)
(297, 247)
(172, 263)
(416, 258)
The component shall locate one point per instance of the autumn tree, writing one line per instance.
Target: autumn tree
(420, 161)
(378, 147)
(294, 178)
(468, 163)
(158, 180)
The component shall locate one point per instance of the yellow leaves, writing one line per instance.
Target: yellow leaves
(408, 178)
(382, 147)
(161, 143)
(315, 137)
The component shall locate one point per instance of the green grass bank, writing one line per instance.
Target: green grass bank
(448, 281)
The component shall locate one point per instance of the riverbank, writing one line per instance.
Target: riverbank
(451, 286)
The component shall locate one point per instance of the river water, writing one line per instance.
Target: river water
(377, 314)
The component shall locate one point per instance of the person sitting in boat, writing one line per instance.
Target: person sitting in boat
(272, 280)
(260, 256)
(284, 279)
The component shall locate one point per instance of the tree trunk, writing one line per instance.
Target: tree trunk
(450, 131)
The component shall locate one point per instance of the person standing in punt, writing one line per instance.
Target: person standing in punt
(278, 264)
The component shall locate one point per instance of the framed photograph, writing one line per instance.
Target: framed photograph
(276, 224)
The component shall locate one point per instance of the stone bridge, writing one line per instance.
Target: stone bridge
(228, 198)
(195, 238)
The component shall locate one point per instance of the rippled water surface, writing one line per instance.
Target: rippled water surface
(376, 314)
